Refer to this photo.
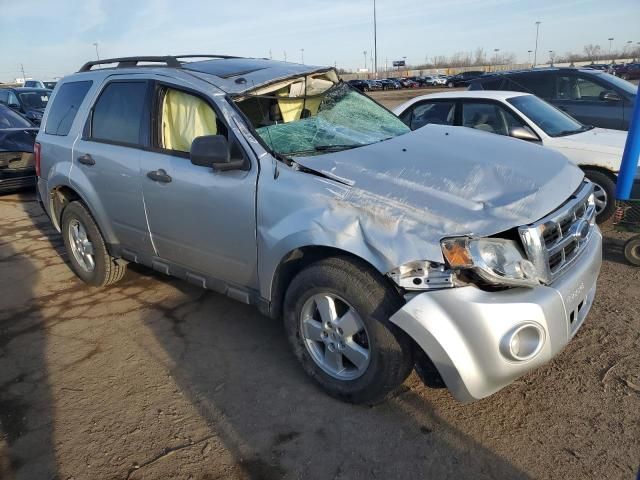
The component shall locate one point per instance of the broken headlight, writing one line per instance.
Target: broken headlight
(422, 275)
(496, 261)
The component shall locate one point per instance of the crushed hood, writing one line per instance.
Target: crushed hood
(443, 181)
(597, 140)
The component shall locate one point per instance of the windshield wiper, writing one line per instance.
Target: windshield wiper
(326, 148)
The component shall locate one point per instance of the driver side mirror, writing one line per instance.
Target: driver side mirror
(523, 134)
(214, 151)
(610, 97)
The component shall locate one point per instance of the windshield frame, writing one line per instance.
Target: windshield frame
(513, 102)
(289, 157)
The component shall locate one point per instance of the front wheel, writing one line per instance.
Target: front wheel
(632, 250)
(450, 84)
(336, 314)
(604, 191)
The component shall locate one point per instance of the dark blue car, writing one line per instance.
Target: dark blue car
(590, 96)
(17, 165)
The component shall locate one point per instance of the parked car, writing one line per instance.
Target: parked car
(462, 79)
(597, 151)
(17, 165)
(604, 67)
(440, 79)
(39, 84)
(390, 84)
(30, 102)
(274, 183)
(362, 85)
(408, 83)
(628, 71)
(426, 81)
(375, 85)
(590, 96)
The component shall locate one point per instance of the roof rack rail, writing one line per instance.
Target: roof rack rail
(224, 57)
(125, 62)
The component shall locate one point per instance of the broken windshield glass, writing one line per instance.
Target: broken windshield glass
(339, 118)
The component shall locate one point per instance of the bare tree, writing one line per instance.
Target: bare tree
(480, 57)
(592, 52)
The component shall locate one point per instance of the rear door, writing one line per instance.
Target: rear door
(201, 220)
(583, 97)
(108, 159)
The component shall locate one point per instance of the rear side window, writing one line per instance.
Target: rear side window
(118, 113)
(65, 107)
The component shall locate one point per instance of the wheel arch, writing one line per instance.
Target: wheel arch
(299, 258)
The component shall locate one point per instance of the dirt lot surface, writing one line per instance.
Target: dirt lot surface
(154, 378)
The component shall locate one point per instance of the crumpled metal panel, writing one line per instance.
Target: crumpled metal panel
(393, 201)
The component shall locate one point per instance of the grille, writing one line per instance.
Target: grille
(557, 240)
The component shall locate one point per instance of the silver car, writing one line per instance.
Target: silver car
(277, 184)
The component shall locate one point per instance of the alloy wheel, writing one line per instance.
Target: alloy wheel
(335, 336)
(81, 246)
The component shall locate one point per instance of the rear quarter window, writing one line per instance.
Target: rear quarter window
(65, 107)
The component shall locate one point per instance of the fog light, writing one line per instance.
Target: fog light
(523, 342)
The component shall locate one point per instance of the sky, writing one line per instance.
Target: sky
(52, 38)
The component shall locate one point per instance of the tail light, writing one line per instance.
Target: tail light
(36, 154)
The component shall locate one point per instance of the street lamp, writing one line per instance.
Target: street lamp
(495, 61)
(552, 56)
(375, 42)
(97, 54)
(535, 53)
(610, 44)
(364, 52)
(529, 57)
(302, 55)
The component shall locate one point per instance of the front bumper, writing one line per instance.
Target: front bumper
(463, 330)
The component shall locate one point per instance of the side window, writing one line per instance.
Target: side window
(440, 113)
(489, 117)
(587, 89)
(13, 99)
(493, 84)
(183, 117)
(540, 84)
(4, 96)
(118, 113)
(65, 107)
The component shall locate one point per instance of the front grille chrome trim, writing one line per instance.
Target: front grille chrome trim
(554, 242)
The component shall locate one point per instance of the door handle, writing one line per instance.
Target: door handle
(86, 159)
(159, 176)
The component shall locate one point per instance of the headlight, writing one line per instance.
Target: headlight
(495, 260)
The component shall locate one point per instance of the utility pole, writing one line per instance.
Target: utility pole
(270, 55)
(24, 78)
(552, 56)
(302, 55)
(364, 52)
(95, 44)
(375, 42)
(495, 57)
(535, 53)
(285, 55)
(529, 58)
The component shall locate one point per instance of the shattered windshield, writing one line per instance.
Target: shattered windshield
(329, 118)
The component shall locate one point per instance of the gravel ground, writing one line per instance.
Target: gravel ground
(154, 378)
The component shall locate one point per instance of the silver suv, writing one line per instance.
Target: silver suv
(469, 256)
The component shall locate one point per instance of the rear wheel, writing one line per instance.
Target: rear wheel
(450, 85)
(336, 314)
(86, 248)
(632, 250)
(604, 190)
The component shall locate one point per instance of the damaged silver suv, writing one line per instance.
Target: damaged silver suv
(469, 256)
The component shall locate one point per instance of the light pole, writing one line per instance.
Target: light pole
(610, 44)
(375, 42)
(495, 57)
(529, 57)
(302, 55)
(552, 55)
(535, 53)
(285, 55)
(97, 54)
(364, 52)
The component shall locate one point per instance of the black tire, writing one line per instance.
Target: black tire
(608, 185)
(390, 349)
(632, 250)
(450, 85)
(107, 269)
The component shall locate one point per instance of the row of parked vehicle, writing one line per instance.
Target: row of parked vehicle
(626, 71)
(399, 82)
(385, 243)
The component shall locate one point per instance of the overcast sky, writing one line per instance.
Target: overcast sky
(52, 38)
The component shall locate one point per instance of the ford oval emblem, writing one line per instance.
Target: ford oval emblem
(581, 230)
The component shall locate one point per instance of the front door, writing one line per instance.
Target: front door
(583, 98)
(200, 219)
